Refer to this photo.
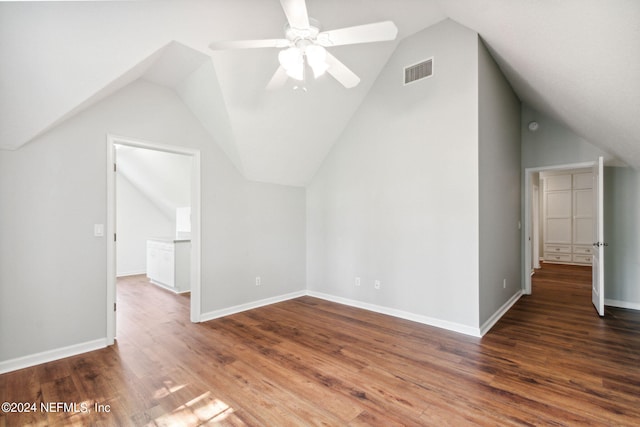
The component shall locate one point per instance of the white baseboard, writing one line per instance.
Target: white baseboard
(438, 323)
(486, 326)
(168, 288)
(131, 273)
(622, 304)
(51, 355)
(451, 326)
(249, 306)
(60, 353)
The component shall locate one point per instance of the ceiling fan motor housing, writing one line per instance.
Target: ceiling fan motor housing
(296, 35)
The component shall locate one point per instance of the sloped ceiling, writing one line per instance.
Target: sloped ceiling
(163, 178)
(576, 61)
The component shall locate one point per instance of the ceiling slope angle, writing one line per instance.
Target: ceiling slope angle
(15, 131)
(575, 61)
(163, 178)
(283, 134)
(61, 57)
(191, 74)
(53, 69)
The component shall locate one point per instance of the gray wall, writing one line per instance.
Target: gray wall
(554, 144)
(52, 191)
(137, 219)
(499, 186)
(622, 232)
(397, 197)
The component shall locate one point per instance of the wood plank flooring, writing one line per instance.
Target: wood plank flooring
(549, 361)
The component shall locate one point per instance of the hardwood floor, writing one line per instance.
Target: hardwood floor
(549, 361)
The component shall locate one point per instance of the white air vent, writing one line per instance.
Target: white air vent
(418, 71)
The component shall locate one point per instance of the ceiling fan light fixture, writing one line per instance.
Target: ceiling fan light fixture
(296, 72)
(319, 69)
(292, 61)
(317, 59)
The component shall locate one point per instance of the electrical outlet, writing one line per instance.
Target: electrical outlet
(504, 284)
(357, 281)
(376, 284)
(258, 281)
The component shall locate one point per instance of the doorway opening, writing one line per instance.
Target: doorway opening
(572, 231)
(160, 231)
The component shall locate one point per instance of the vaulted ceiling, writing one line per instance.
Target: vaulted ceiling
(577, 61)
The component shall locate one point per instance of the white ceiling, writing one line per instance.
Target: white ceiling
(164, 178)
(577, 61)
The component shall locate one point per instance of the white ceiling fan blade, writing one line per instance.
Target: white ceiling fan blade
(278, 80)
(296, 11)
(376, 32)
(249, 44)
(341, 73)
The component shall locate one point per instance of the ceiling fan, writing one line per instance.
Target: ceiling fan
(304, 43)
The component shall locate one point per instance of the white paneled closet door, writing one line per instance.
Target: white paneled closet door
(582, 209)
(583, 218)
(558, 218)
(568, 222)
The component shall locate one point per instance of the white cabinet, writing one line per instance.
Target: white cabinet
(168, 263)
(568, 220)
